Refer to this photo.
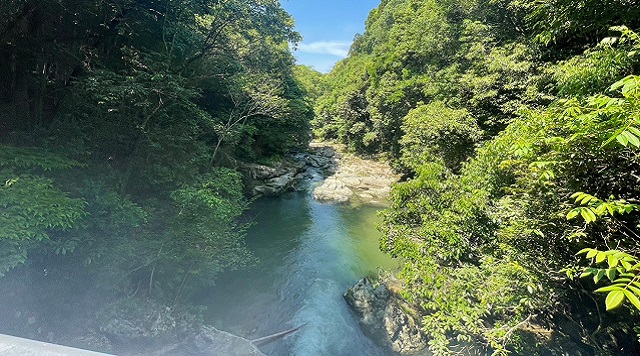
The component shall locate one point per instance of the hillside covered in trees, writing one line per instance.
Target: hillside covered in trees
(122, 126)
(516, 124)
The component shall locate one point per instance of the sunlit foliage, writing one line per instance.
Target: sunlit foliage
(499, 111)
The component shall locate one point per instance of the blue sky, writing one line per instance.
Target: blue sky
(328, 27)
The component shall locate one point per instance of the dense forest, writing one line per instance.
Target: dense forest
(516, 124)
(123, 124)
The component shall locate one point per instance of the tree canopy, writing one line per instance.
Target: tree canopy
(123, 125)
(515, 125)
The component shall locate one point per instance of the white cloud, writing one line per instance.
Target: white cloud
(334, 48)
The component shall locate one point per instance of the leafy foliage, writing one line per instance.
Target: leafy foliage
(622, 272)
(435, 131)
(140, 112)
(497, 114)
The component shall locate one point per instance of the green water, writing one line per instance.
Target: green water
(309, 255)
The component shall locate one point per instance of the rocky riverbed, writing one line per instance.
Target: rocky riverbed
(354, 179)
(347, 178)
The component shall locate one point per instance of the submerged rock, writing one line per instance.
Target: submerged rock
(211, 341)
(144, 327)
(385, 317)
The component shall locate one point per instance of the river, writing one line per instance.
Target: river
(309, 254)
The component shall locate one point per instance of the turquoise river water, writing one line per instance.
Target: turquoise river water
(309, 254)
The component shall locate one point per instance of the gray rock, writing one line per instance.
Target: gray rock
(271, 181)
(276, 185)
(403, 331)
(350, 178)
(369, 301)
(324, 150)
(384, 318)
(262, 172)
(332, 190)
(319, 161)
(120, 331)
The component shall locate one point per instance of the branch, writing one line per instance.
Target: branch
(212, 38)
(514, 328)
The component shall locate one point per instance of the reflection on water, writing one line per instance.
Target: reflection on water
(310, 254)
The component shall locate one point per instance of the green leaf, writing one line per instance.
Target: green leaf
(586, 274)
(622, 139)
(632, 298)
(620, 83)
(623, 280)
(633, 288)
(613, 137)
(614, 299)
(611, 274)
(584, 250)
(588, 215)
(592, 253)
(633, 139)
(573, 213)
(586, 199)
(612, 261)
(634, 130)
(610, 288)
(598, 276)
(600, 257)
(629, 86)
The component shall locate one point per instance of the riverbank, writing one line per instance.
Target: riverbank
(355, 180)
(346, 177)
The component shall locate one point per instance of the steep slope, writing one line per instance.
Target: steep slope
(498, 112)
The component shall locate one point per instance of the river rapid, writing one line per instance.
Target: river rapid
(309, 254)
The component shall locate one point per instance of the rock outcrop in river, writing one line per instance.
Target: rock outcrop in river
(386, 317)
(290, 173)
(211, 341)
(272, 180)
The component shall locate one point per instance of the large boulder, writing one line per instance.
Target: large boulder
(273, 180)
(276, 185)
(386, 318)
